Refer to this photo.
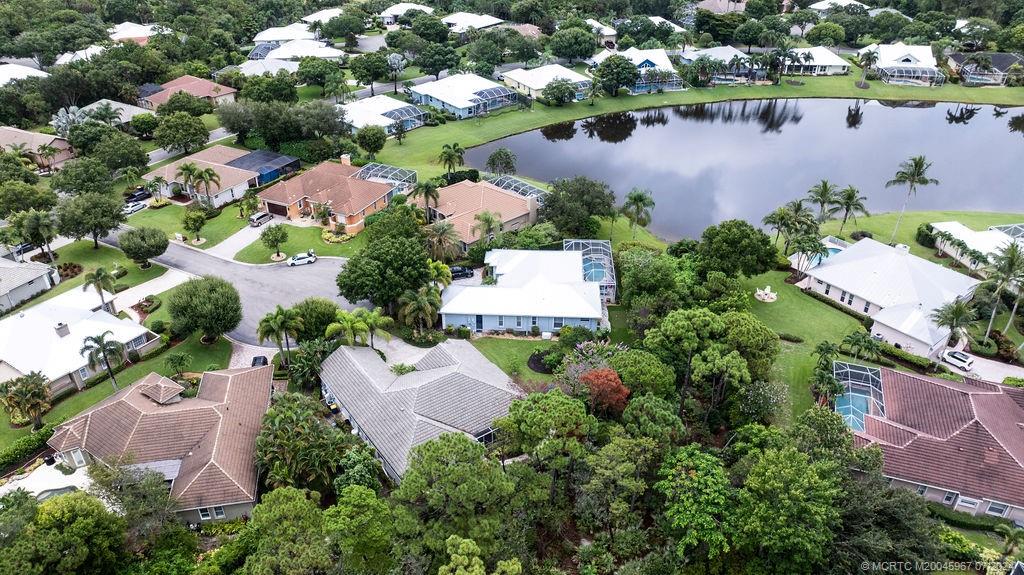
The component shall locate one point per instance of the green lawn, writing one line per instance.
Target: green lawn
(168, 219)
(301, 239)
(509, 353)
(210, 121)
(82, 252)
(307, 93)
(161, 312)
(617, 316)
(204, 357)
(798, 314)
(619, 232)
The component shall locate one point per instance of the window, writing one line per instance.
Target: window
(533, 320)
(78, 457)
(83, 374)
(867, 307)
(968, 503)
(558, 322)
(204, 513)
(501, 321)
(137, 342)
(819, 282)
(828, 288)
(949, 498)
(921, 489)
(519, 321)
(849, 299)
(218, 512)
(997, 509)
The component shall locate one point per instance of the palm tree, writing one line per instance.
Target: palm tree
(207, 177)
(130, 175)
(487, 223)
(187, 172)
(178, 361)
(637, 208)
(958, 316)
(827, 352)
(99, 350)
(1007, 267)
(452, 156)
(102, 281)
(809, 248)
(867, 60)
(861, 342)
(438, 274)
(376, 323)
(823, 194)
(798, 220)
(156, 187)
(280, 325)
(912, 173)
(776, 220)
(428, 191)
(1013, 538)
(419, 308)
(39, 225)
(851, 204)
(350, 326)
(105, 113)
(28, 395)
(47, 153)
(443, 242)
(825, 386)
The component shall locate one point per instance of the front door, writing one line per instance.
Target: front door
(479, 323)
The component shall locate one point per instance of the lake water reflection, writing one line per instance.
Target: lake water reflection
(713, 162)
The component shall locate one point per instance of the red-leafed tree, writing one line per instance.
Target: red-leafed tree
(607, 394)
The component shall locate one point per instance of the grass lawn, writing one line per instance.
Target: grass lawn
(307, 93)
(617, 316)
(161, 312)
(421, 146)
(204, 357)
(82, 252)
(168, 219)
(301, 239)
(798, 314)
(210, 121)
(509, 353)
(619, 231)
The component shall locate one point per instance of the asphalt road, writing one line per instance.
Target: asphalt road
(262, 287)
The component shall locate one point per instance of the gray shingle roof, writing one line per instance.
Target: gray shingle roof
(17, 274)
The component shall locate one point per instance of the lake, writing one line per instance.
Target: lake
(712, 162)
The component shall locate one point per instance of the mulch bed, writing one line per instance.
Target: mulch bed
(536, 363)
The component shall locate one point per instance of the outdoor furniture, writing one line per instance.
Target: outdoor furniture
(765, 295)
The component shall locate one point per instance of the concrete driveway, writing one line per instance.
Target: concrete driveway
(261, 287)
(988, 369)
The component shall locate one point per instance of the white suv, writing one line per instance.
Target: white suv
(958, 359)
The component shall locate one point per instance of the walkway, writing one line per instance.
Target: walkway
(131, 296)
(234, 243)
(160, 154)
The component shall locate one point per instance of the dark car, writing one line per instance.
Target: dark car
(259, 361)
(461, 272)
(139, 195)
(22, 248)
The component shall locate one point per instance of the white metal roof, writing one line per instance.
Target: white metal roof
(462, 21)
(125, 112)
(538, 78)
(304, 48)
(12, 72)
(403, 7)
(825, 5)
(902, 55)
(658, 20)
(296, 31)
(323, 16)
(987, 242)
(912, 320)
(17, 274)
(821, 56)
(78, 55)
(459, 90)
(129, 30)
(267, 66)
(370, 111)
(601, 29)
(656, 56)
(719, 53)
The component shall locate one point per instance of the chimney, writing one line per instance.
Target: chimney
(63, 329)
(346, 159)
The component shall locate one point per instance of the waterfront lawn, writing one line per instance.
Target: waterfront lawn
(168, 220)
(797, 314)
(82, 253)
(509, 354)
(301, 239)
(618, 231)
(203, 357)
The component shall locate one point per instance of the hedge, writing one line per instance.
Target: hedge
(790, 337)
(25, 446)
(1014, 381)
(907, 358)
(829, 301)
(965, 520)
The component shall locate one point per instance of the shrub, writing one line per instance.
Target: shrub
(860, 234)
(906, 358)
(159, 203)
(535, 330)
(1006, 350)
(23, 447)
(984, 348)
(133, 355)
(402, 368)
(782, 263)
(831, 302)
(151, 304)
(957, 546)
(1014, 381)
(925, 236)
(334, 238)
(211, 213)
(119, 272)
(965, 520)
(790, 337)
(950, 377)
(158, 326)
(429, 338)
(463, 332)
(120, 287)
(215, 528)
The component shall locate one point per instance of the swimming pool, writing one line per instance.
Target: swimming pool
(853, 407)
(593, 270)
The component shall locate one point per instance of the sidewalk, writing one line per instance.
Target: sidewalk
(131, 296)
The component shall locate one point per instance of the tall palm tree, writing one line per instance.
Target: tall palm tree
(187, 172)
(637, 208)
(1007, 267)
(443, 242)
(208, 177)
(1013, 538)
(376, 323)
(349, 326)
(776, 220)
(798, 220)
(47, 153)
(28, 395)
(99, 351)
(428, 191)
(861, 342)
(130, 174)
(102, 281)
(40, 226)
(809, 248)
(823, 194)
(156, 187)
(438, 274)
(104, 113)
(280, 326)
(419, 308)
(867, 60)
(958, 316)
(452, 156)
(487, 223)
(912, 173)
(851, 204)
(825, 386)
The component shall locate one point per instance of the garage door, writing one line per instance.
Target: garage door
(277, 209)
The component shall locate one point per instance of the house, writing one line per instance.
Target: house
(323, 16)
(722, 6)
(383, 111)
(525, 30)
(453, 389)
(817, 61)
(902, 64)
(20, 281)
(606, 35)
(137, 33)
(464, 95)
(31, 142)
(298, 49)
(546, 289)
(655, 67)
(389, 16)
(879, 11)
(14, 72)
(897, 289)
(987, 242)
(201, 88)
(462, 22)
(125, 112)
(459, 203)
(825, 7)
(532, 81)
(204, 446)
(260, 67)
(47, 337)
(79, 55)
(996, 75)
(736, 64)
(659, 21)
(269, 165)
(282, 34)
(958, 444)
(346, 190)
(233, 181)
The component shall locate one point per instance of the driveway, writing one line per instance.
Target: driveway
(989, 370)
(261, 288)
(234, 243)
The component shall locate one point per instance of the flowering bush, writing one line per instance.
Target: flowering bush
(607, 394)
(587, 356)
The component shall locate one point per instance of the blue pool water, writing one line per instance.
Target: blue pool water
(593, 270)
(853, 407)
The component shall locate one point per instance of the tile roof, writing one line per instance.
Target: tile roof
(10, 136)
(462, 201)
(198, 87)
(1001, 61)
(329, 183)
(17, 274)
(213, 435)
(216, 157)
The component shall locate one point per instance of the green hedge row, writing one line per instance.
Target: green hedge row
(965, 520)
(829, 301)
(104, 376)
(898, 355)
(790, 337)
(1014, 381)
(25, 446)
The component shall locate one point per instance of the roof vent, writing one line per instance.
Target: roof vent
(902, 248)
(62, 329)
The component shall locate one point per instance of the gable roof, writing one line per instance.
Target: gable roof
(133, 31)
(13, 72)
(821, 56)
(722, 54)
(304, 48)
(658, 21)
(1001, 61)
(323, 16)
(11, 136)
(901, 55)
(380, 110)
(601, 29)
(296, 31)
(266, 66)
(17, 274)
(460, 202)
(459, 90)
(212, 435)
(78, 55)
(462, 21)
(329, 183)
(454, 389)
(401, 8)
(656, 57)
(538, 78)
(198, 87)
(216, 157)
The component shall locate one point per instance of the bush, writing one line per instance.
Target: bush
(463, 332)
(211, 213)
(428, 339)
(924, 235)
(831, 302)
(1014, 381)
(119, 272)
(472, 175)
(956, 546)
(1006, 350)
(23, 447)
(159, 203)
(984, 348)
(120, 287)
(215, 528)
(965, 520)
(782, 263)
(535, 330)
(133, 355)
(151, 304)
(906, 358)
(158, 326)
(790, 337)
(334, 238)
(860, 234)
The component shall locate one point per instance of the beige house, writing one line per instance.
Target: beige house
(202, 445)
(202, 88)
(459, 204)
(233, 181)
(32, 142)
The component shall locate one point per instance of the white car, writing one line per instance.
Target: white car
(958, 359)
(302, 259)
(132, 207)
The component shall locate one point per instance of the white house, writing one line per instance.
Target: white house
(383, 111)
(48, 336)
(20, 281)
(125, 112)
(132, 32)
(902, 64)
(296, 31)
(464, 95)
(462, 22)
(532, 81)
(78, 55)
(646, 61)
(298, 49)
(323, 16)
(723, 54)
(13, 72)
(897, 289)
(825, 6)
(546, 289)
(817, 61)
(606, 35)
(233, 181)
(390, 15)
(658, 21)
(266, 66)
(987, 242)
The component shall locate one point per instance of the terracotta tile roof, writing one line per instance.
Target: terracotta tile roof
(215, 157)
(966, 437)
(331, 184)
(32, 140)
(198, 87)
(213, 435)
(460, 202)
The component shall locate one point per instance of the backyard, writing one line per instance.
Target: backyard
(168, 220)
(618, 231)
(301, 239)
(82, 253)
(511, 355)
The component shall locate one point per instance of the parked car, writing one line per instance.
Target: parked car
(259, 361)
(460, 272)
(958, 359)
(259, 218)
(132, 207)
(302, 259)
(23, 248)
(139, 195)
